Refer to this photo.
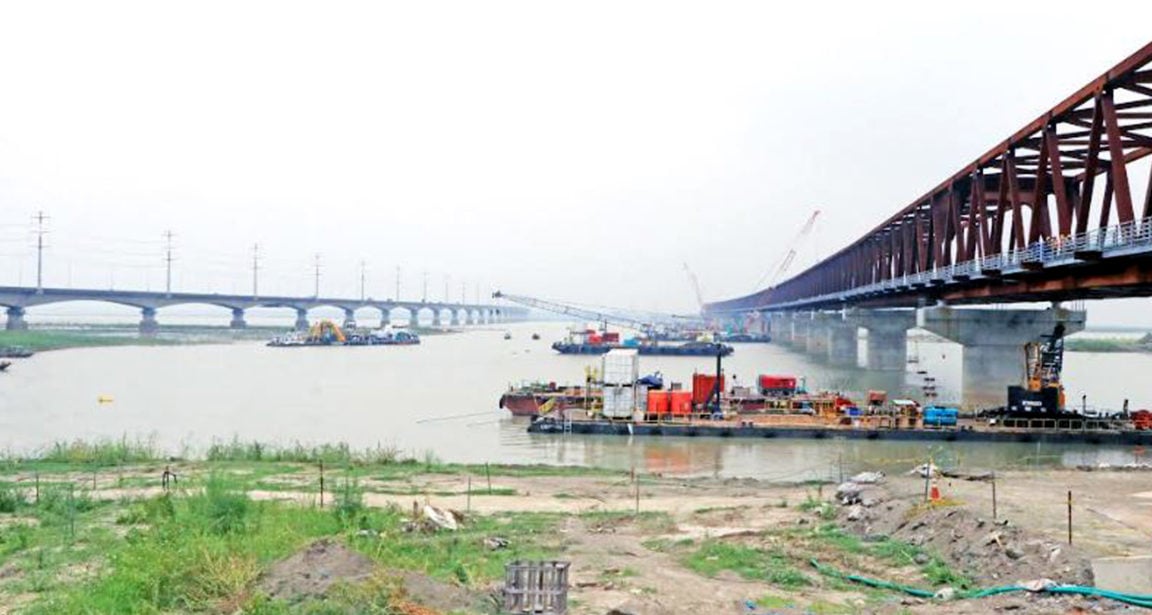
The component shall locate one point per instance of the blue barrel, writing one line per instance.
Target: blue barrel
(940, 417)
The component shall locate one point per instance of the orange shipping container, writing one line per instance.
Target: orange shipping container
(659, 402)
(681, 402)
(703, 385)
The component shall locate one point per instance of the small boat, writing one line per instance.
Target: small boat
(4, 365)
(507, 335)
(14, 352)
(535, 336)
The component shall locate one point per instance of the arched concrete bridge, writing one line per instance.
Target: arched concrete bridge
(17, 300)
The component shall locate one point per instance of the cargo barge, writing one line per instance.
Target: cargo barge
(328, 333)
(1035, 411)
(752, 429)
(688, 349)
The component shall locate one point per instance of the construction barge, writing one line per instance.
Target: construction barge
(1036, 432)
(621, 403)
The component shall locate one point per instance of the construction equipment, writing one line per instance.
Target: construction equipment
(1042, 392)
(649, 324)
(695, 287)
(774, 276)
(326, 332)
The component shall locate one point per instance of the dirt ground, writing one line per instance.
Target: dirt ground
(617, 569)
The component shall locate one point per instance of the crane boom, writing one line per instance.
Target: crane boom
(791, 256)
(601, 316)
(695, 286)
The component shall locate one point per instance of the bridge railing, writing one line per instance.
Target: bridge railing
(1061, 250)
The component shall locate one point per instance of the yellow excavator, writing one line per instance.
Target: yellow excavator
(326, 332)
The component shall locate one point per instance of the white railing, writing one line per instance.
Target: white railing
(1047, 252)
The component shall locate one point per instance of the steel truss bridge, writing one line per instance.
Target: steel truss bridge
(1049, 214)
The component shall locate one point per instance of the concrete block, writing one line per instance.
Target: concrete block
(1131, 575)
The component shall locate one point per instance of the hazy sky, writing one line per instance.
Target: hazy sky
(580, 151)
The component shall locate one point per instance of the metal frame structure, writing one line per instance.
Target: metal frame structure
(1047, 214)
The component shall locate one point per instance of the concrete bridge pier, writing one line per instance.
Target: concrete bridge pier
(816, 342)
(833, 338)
(238, 321)
(780, 327)
(349, 318)
(148, 324)
(801, 328)
(436, 321)
(413, 318)
(994, 342)
(455, 322)
(301, 319)
(16, 320)
(887, 341)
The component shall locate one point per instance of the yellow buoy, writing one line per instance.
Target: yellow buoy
(104, 399)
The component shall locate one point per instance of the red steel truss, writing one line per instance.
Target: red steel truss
(1060, 178)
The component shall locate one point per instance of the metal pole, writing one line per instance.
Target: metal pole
(168, 262)
(397, 282)
(255, 270)
(40, 218)
(463, 292)
(424, 296)
(363, 266)
(321, 484)
(927, 478)
(316, 291)
(447, 287)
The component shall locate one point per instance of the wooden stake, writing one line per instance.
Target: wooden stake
(1069, 516)
(468, 507)
(637, 497)
(321, 483)
(993, 497)
(37, 488)
(488, 472)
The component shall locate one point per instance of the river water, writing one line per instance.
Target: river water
(440, 398)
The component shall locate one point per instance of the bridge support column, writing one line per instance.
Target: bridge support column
(301, 319)
(238, 321)
(816, 343)
(16, 320)
(436, 321)
(801, 326)
(349, 319)
(994, 342)
(148, 324)
(887, 341)
(414, 318)
(780, 327)
(455, 322)
(843, 349)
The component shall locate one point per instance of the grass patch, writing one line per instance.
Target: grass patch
(201, 548)
(751, 563)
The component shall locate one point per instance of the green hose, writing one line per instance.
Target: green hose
(1141, 600)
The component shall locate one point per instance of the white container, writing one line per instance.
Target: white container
(621, 366)
(619, 402)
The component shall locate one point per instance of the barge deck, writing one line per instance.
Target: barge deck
(748, 429)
